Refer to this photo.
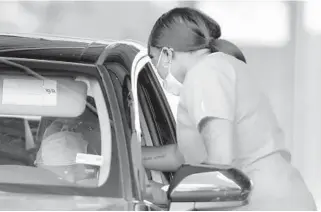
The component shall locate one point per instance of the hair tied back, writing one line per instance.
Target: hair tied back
(211, 44)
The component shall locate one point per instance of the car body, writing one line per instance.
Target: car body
(140, 115)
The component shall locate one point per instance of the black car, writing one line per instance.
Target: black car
(74, 115)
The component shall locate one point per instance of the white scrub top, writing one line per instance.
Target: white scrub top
(220, 86)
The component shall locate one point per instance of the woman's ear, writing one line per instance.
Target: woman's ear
(168, 55)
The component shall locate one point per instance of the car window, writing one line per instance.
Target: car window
(53, 131)
(124, 94)
(123, 91)
(156, 110)
(147, 141)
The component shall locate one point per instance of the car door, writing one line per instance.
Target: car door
(157, 112)
(157, 124)
(123, 85)
(150, 98)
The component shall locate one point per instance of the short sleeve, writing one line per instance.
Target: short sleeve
(209, 91)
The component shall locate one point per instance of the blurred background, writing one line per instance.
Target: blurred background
(281, 41)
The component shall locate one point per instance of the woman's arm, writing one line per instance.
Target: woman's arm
(162, 158)
(217, 135)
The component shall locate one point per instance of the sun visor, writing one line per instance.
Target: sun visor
(54, 97)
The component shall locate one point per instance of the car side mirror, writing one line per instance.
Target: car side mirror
(210, 187)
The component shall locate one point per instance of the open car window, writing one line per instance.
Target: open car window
(53, 131)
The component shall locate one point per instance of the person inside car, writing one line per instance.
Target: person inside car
(58, 153)
(223, 117)
(87, 124)
(69, 136)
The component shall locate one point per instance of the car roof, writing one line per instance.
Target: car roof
(50, 48)
(65, 49)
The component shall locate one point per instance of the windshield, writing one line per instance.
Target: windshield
(51, 130)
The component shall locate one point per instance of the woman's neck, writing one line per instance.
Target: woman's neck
(196, 58)
(191, 60)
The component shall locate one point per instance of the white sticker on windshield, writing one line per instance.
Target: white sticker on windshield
(32, 92)
(89, 159)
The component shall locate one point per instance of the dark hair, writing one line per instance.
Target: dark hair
(230, 48)
(185, 29)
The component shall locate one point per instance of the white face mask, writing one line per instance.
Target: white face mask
(170, 83)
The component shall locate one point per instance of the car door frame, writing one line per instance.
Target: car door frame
(129, 187)
(111, 53)
(140, 60)
(123, 81)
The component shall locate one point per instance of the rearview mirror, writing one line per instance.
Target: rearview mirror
(210, 187)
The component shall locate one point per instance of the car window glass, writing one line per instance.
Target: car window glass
(122, 88)
(146, 138)
(154, 112)
(68, 152)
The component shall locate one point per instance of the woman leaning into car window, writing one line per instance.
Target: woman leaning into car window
(223, 116)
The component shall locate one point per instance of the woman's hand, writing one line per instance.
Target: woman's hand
(155, 193)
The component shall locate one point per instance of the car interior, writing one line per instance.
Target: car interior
(80, 101)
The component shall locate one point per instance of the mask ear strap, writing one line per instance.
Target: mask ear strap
(169, 66)
(161, 54)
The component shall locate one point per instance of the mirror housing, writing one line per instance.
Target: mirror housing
(210, 184)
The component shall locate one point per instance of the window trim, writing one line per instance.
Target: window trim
(129, 188)
(161, 97)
